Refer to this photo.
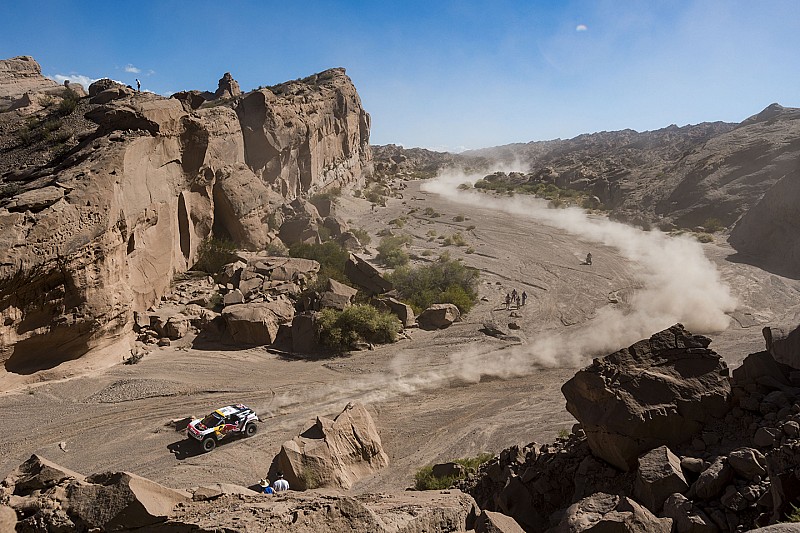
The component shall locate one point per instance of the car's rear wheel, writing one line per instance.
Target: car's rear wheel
(209, 444)
(250, 430)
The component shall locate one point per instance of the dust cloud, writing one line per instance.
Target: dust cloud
(679, 284)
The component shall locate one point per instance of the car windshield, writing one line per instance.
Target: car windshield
(212, 420)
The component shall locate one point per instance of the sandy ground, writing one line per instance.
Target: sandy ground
(440, 395)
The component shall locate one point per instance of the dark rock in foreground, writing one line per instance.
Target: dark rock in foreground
(657, 391)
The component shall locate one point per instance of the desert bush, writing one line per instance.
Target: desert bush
(362, 235)
(343, 330)
(458, 239)
(398, 222)
(425, 480)
(443, 281)
(330, 256)
(213, 254)
(330, 195)
(469, 250)
(391, 250)
(704, 237)
(458, 218)
(713, 225)
(278, 249)
(465, 186)
(431, 212)
(69, 102)
(470, 227)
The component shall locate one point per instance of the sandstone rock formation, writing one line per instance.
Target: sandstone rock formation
(613, 514)
(98, 235)
(42, 492)
(438, 316)
(328, 510)
(332, 453)
(658, 391)
(366, 276)
(46, 497)
(21, 75)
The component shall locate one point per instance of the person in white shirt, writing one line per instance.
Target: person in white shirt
(280, 484)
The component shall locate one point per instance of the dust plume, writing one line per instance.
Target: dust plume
(679, 283)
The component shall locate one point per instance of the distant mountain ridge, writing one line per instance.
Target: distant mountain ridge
(713, 173)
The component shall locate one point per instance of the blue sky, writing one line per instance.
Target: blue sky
(448, 74)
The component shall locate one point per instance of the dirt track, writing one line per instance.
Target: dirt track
(422, 391)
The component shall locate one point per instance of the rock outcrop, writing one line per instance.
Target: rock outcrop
(657, 391)
(47, 497)
(42, 492)
(89, 240)
(611, 513)
(21, 75)
(332, 453)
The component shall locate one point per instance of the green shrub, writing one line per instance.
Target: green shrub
(330, 256)
(391, 252)
(465, 186)
(330, 195)
(425, 480)
(444, 281)
(213, 254)
(563, 433)
(794, 516)
(458, 239)
(398, 222)
(362, 235)
(713, 225)
(69, 103)
(469, 250)
(343, 330)
(704, 237)
(431, 212)
(458, 218)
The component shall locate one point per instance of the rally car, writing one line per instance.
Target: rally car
(237, 419)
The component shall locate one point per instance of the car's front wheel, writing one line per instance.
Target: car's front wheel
(209, 444)
(250, 430)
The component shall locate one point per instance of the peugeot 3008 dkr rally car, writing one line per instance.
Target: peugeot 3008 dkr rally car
(225, 422)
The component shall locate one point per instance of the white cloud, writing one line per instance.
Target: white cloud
(581, 27)
(130, 68)
(150, 72)
(74, 78)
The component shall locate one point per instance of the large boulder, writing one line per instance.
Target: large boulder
(153, 114)
(491, 522)
(658, 391)
(783, 343)
(38, 473)
(606, 513)
(366, 276)
(256, 323)
(713, 480)
(401, 310)
(50, 494)
(438, 316)
(117, 500)
(332, 453)
(686, 517)
(659, 476)
(304, 334)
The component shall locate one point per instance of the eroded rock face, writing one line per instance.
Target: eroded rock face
(611, 514)
(85, 244)
(307, 133)
(44, 492)
(658, 391)
(332, 453)
(20, 75)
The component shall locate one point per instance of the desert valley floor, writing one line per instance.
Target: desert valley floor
(437, 396)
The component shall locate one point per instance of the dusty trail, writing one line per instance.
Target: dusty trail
(441, 395)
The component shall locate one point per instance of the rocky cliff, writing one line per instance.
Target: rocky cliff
(98, 230)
